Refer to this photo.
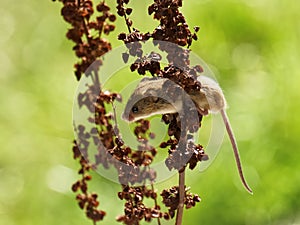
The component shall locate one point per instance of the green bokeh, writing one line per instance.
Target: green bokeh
(253, 48)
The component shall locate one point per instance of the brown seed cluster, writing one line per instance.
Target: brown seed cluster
(86, 33)
(171, 199)
(135, 210)
(183, 154)
(89, 46)
(147, 63)
(173, 27)
(86, 201)
(139, 161)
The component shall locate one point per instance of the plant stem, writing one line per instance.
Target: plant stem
(181, 185)
(126, 21)
(155, 201)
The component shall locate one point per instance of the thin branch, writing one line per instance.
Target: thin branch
(116, 128)
(181, 190)
(126, 21)
(155, 202)
(86, 30)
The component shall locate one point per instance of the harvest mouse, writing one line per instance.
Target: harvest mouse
(150, 98)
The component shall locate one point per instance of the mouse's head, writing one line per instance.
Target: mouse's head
(146, 107)
(149, 98)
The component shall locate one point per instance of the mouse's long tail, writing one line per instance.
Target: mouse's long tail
(235, 149)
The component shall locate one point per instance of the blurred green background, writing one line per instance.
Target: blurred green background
(253, 48)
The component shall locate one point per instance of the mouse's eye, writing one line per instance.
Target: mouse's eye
(134, 109)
